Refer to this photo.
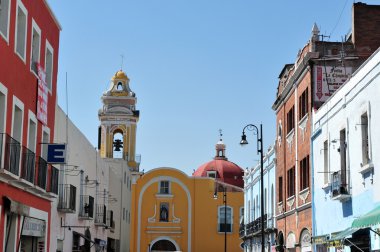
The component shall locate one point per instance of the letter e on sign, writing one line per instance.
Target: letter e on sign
(56, 154)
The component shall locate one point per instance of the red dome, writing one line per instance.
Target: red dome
(226, 171)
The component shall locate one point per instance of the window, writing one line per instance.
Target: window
(164, 187)
(4, 18)
(3, 106)
(342, 151)
(365, 139)
(18, 120)
(272, 201)
(32, 132)
(241, 215)
(326, 162)
(280, 189)
(291, 180)
(303, 104)
(265, 200)
(304, 172)
(49, 65)
(211, 174)
(36, 44)
(164, 212)
(21, 23)
(225, 219)
(249, 212)
(290, 120)
(45, 139)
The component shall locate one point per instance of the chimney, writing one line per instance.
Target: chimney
(365, 28)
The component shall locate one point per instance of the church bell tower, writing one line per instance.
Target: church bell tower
(118, 122)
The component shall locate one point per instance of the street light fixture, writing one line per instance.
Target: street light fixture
(225, 213)
(244, 141)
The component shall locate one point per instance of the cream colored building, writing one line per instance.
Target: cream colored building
(117, 143)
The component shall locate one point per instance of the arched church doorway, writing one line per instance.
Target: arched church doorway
(163, 245)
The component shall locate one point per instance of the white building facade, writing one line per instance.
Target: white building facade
(81, 218)
(250, 230)
(345, 157)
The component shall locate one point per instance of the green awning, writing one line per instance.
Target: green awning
(369, 219)
(344, 234)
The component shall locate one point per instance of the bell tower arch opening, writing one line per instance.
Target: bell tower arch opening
(117, 142)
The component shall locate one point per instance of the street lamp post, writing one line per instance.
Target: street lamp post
(244, 141)
(225, 214)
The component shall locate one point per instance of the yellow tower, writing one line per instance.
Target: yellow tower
(118, 121)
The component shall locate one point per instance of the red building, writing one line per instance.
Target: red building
(29, 43)
(321, 68)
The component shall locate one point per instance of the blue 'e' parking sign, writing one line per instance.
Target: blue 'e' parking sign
(56, 154)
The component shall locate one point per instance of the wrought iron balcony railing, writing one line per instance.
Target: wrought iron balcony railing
(255, 226)
(28, 165)
(87, 207)
(67, 198)
(10, 149)
(339, 185)
(101, 214)
(42, 173)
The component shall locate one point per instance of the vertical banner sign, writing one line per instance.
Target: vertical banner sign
(327, 79)
(42, 100)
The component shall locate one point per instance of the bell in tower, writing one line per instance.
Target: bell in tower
(118, 121)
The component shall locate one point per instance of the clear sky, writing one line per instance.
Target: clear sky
(196, 66)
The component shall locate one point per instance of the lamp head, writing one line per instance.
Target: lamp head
(243, 139)
(215, 195)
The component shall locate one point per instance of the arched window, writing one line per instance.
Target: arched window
(272, 201)
(225, 224)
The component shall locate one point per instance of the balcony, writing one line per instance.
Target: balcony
(339, 187)
(42, 173)
(28, 165)
(67, 199)
(254, 228)
(86, 210)
(10, 155)
(101, 215)
(53, 182)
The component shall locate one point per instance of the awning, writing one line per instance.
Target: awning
(15, 206)
(369, 219)
(85, 237)
(344, 234)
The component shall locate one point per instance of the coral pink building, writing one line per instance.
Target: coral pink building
(29, 42)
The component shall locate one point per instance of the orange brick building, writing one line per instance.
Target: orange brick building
(321, 68)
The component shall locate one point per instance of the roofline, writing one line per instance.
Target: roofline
(52, 14)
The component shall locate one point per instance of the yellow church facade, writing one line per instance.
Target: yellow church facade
(175, 212)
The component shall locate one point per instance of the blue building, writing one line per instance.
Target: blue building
(345, 153)
(250, 230)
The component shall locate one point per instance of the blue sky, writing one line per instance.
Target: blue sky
(196, 66)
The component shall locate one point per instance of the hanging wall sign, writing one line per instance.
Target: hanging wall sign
(42, 93)
(56, 154)
(327, 79)
(33, 227)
